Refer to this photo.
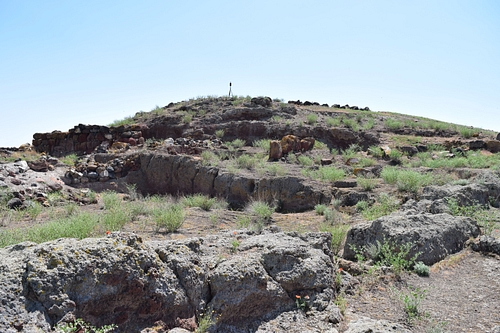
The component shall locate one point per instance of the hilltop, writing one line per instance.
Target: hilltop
(382, 196)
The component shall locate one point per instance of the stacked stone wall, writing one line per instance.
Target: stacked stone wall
(84, 139)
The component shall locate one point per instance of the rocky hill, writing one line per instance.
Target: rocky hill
(252, 215)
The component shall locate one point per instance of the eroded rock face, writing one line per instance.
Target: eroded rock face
(434, 236)
(184, 174)
(134, 284)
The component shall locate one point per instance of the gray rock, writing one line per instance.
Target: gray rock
(14, 203)
(488, 244)
(368, 325)
(434, 236)
(120, 279)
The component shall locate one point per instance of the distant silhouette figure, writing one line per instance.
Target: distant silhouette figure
(230, 92)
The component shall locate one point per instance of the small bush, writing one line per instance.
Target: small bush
(367, 183)
(110, 200)
(199, 200)
(305, 160)
(70, 159)
(395, 155)
(328, 174)
(393, 124)
(384, 206)
(362, 205)
(263, 144)
(237, 143)
(171, 218)
(368, 125)
(81, 326)
(126, 121)
(333, 122)
(421, 269)
(219, 134)
(115, 218)
(209, 158)
(312, 118)
(339, 233)
(246, 161)
(409, 181)
(275, 169)
(261, 210)
(320, 209)
(187, 118)
(411, 302)
(351, 123)
(376, 151)
(390, 175)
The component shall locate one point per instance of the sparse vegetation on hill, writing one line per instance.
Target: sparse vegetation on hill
(213, 165)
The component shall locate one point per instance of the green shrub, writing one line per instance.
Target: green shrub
(187, 118)
(376, 151)
(338, 232)
(81, 326)
(395, 155)
(320, 209)
(209, 158)
(351, 123)
(305, 160)
(421, 269)
(171, 218)
(116, 218)
(275, 169)
(393, 124)
(110, 200)
(394, 255)
(261, 210)
(264, 144)
(70, 159)
(76, 226)
(126, 121)
(237, 143)
(410, 181)
(33, 209)
(384, 206)
(246, 161)
(390, 175)
(365, 162)
(411, 302)
(368, 125)
(318, 145)
(362, 205)
(325, 173)
(367, 183)
(219, 134)
(312, 118)
(485, 218)
(333, 122)
(199, 200)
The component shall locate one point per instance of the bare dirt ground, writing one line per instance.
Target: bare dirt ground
(462, 294)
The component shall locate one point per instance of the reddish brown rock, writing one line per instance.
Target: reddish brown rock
(307, 144)
(275, 151)
(290, 143)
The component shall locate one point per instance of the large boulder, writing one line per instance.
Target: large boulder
(275, 151)
(134, 284)
(433, 236)
(262, 101)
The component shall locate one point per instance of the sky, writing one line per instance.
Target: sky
(68, 62)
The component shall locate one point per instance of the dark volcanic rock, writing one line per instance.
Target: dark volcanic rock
(133, 284)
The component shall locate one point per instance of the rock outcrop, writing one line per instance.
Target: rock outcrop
(433, 236)
(161, 173)
(136, 285)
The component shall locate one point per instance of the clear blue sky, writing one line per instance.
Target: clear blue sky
(68, 62)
